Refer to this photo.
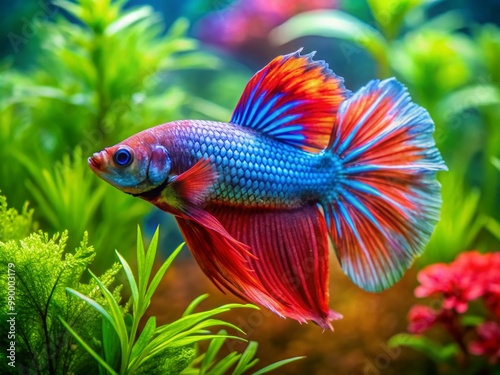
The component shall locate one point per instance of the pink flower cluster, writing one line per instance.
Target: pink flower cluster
(472, 276)
(243, 21)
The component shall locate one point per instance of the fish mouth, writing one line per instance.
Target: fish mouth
(93, 163)
(96, 161)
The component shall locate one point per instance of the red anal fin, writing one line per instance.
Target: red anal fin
(290, 251)
(225, 261)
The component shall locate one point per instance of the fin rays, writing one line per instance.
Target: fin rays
(294, 100)
(292, 265)
(388, 200)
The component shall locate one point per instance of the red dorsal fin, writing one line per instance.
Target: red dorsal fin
(293, 99)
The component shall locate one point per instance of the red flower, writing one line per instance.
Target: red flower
(488, 341)
(434, 279)
(421, 318)
(492, 293)
(469, 277)
(441, 278)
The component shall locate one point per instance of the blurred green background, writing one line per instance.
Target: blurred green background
(75, 78)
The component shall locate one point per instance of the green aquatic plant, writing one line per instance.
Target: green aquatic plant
(240, 363)
(41, 270)
(100, 70)
(166, 349)
(14, 225)
(56, 333)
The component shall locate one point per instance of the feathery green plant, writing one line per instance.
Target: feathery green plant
(14, 225)
(42, 270)
(167, 349)
(56, 333)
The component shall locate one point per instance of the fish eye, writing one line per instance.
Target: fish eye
(123, 157)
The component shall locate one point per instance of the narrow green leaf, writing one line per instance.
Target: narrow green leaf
(150, 258)
(197, 338)
(146, 335)
(212, 351)
(192, 60)
(169, 337)
(496, 162)
(198, 359)
(118, 321)
(223, 366)
(92, 303)
(449, 21)
(110, 343)
(432, 349)
(390, 14)
(190, 371)
(276, 365)
(189, 321)
(128, 19)
(131, 282)
(209, 108)
(96, 356)
(493, 227)
(72, 8)
(178, 28)
(161, 272)
(246, 358)
(470, 97)
(141, 271)
(194, 304)
(471, 320)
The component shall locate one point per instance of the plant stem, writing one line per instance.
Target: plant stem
(458, 335)
(491, 174)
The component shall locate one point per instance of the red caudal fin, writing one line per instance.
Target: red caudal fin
(292, 99)
(387, 201)
(289, 258)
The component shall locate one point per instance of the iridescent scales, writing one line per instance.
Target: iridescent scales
(255, 171)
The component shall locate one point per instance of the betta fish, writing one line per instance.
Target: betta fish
(303, 166)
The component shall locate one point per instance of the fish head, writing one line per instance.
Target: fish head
(133, 166)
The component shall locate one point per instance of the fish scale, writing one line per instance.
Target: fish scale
(254, 170)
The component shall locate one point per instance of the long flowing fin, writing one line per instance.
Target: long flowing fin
(224, 260)
(294, 100)
(387, 199)
(282, 266)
